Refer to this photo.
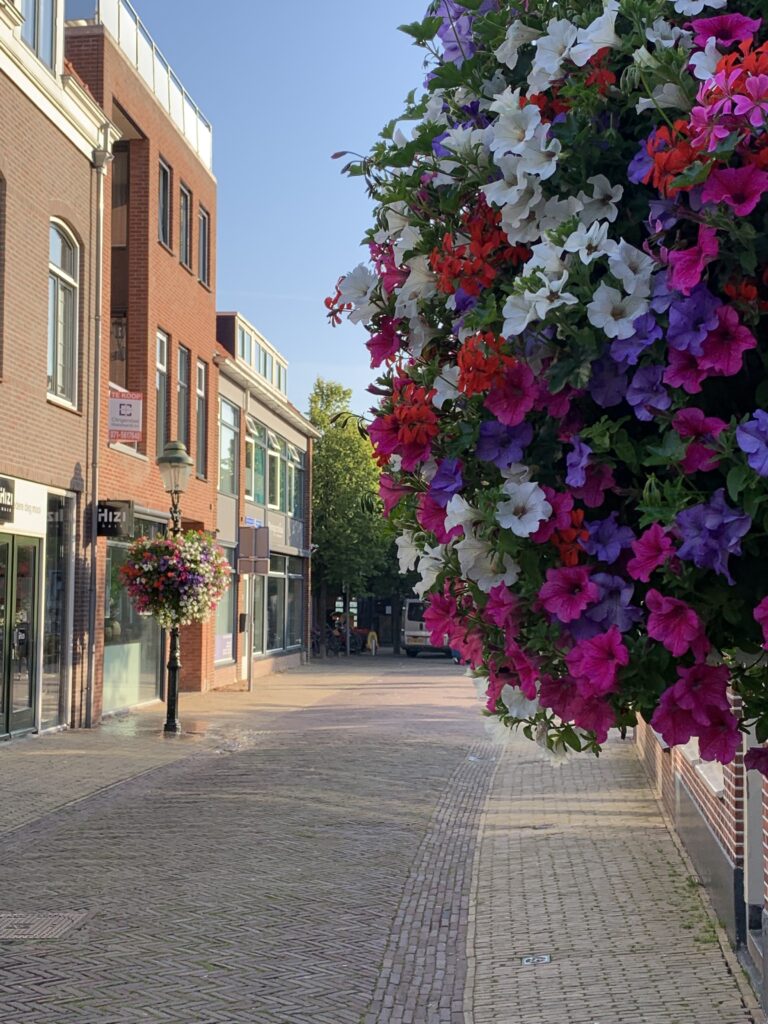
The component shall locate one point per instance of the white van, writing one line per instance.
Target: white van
(415, 636)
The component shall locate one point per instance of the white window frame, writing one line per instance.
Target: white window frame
(162, 348)
(185, 227)
(164, 225)
(61, 280)
(35, 46)
(204, 246)
(201, 396)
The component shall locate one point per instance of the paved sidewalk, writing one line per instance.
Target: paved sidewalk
(344, 846)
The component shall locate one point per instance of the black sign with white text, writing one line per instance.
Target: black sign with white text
(7, 499)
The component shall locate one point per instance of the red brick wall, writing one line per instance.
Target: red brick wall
(43, 441)
(163, 294)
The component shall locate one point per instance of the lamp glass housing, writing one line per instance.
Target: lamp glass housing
(175, 466)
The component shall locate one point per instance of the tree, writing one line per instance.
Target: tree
(348, 527)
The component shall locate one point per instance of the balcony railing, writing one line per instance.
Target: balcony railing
(124, 24)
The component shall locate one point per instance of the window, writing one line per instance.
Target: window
(244, 344)
(282, 381)
(258, 360)
(39, 28)
(255, 462)
(258, 615)
(185, 226)
(285, 603)
(204, 246)
(201, 447)
(275, 467)
(182, 390)
(161, 391)
(226, 610)
(295, 475)
(62, 314)
(164, 205)
(229, 446)
(268, 367)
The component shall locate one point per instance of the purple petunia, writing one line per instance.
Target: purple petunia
(712, 532)
(647, 394)
(613, 608)
(752, 438)
(629, 349)
(576, 462)
(691, 318)
(608, 383)
(446, 482)
(607, 538)
(503, 445)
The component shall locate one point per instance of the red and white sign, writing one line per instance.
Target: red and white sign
(125, 415)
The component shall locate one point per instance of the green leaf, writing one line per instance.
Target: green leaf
(761, 730)
(695, 174)
(736, 481)
(422, 31)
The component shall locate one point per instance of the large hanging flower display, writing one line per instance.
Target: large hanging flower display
(177, 580)
(566, 294)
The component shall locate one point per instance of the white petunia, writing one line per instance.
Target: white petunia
(421, 283)
(517, 704)
(420, 335)
(357, 285)
(539, 155)
(553, 48)
(614, 313)
(445, 386)
(590, 243)
(524, 511)
(704, 62)
(528, 196)
(665, 35)
(479, 564)
(407, 551)
(598, 35)
(406, 243)
(632, 267)
(509, 186)
(511, 131)
(664, 97)
(602, 204)
(546, 257)
(459, 512)
(697, 6)
(518, 35)
(436, 111)
(430, 566)
(516, 473)
(551, 295)
(555, 212)
(518, 313)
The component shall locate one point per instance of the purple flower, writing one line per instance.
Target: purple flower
(607, 539)
(640, 165)
(752, 438)
(662, 295)
(646, 394)
(662, 215)
(455, 32)
(629, 349)
(463, 300)
(502, 445)
(711, 532)
(437, 145)
(608, 383)
(613, 608)
(446, 482)
(577, 462)
(691, 319)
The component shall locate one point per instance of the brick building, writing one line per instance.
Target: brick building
(54, 146)
(265, 464)
(158, 336)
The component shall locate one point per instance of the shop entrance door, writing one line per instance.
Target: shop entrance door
(19, 620)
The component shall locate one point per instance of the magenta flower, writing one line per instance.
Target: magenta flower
(651, 550)
(673, 723)
(524, 667)
(596, 716)
(431, 516)
(720, 740)
(560, 695)
(567, 592)
(599, 480)
(502, 608)
(675, 625)
(726, 28)
(702, 688)
(385, 343)
(691, 422)
(724, 347)
(440, 617)
(391, 492)
(687, 265)
(699, 458)
(511, 400)
(760, 615)
(753, 106)
(594, 663)
(756, 759)
(561, 503)
(684, 371)
(741, 188)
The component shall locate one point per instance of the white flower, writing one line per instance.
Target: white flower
(420, 284)
(599, 34)
(550, 296)
(445, 386)
(555, 212)
(511, 131)
(602, 203)
(518, 35)
(517, 704)
(516, 473)
(421, 334)
(614, 313)
(666, 96)
(547, 258)
(591, 242)
(506, 102)
(518, 312)
(509, 186)
(697, 6)
(553, 48)
(430, 566)
(492, 87)
(704, 62)
(526, 508)
(459, 512)
(632, 267)
(514, 214)
(434, 112)
(479, 564)
(496, 731)
(356, 287)
(539, 155)
(407, 551)
(665, 35)
(407, 241)
(644, 58)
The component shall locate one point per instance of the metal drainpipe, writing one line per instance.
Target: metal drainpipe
(100, 160)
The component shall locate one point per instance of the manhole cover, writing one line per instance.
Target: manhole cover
(39, 926)
(533, 961)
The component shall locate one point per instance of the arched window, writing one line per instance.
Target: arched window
(63, 265)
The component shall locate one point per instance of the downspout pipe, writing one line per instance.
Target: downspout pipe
(100, 160)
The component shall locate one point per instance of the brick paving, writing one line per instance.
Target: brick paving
(345, 846)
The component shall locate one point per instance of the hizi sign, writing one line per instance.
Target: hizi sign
(125, 415)
(114, 519)
(7, 499)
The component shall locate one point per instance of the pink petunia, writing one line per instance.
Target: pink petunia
(524, 666)
(385, 343)
(599, 480)
(675, 724)
(595, 715)
(568, 592)
(502, 608)
(594, 663)
(391, 492)
(559, 695)
(675, 625)
(699, 458)
(720, 740)
(760, 615)
(440, 617)
(561, 503)
(701, 688)
(431, 516)
(691, 422)
(513, 398)
(687, 265)
(684, 371)
(741, 188)
(651, 549)
(756, 759)
(724, 347)
(726, 28)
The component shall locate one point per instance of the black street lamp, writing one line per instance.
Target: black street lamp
(175, 466)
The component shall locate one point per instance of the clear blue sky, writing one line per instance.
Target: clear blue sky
(284, 86)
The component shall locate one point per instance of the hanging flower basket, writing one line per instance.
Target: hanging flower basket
(567, 297)
(176, 580)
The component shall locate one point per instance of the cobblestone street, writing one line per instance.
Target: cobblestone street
(346, 845)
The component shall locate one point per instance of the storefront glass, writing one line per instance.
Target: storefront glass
(225, 616)
(56, 629)
(258, 614)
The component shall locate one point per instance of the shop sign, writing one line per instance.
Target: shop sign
(125, 415)
(7, 499)
(114, 519)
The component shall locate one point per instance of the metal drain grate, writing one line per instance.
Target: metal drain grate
(535, 960)
(17, 927)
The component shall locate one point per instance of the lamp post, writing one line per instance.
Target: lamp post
(175, 466)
